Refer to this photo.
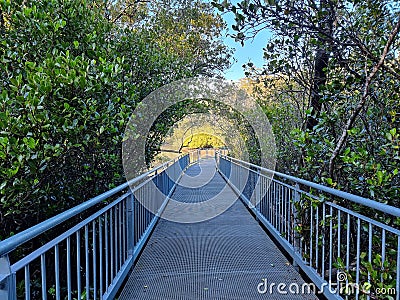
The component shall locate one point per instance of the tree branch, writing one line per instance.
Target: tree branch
(123, 12)
(361, 103)
(2, 22)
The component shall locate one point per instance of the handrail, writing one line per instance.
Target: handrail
(14, 241)
(385, 208)
(332, 244)
(100, 249)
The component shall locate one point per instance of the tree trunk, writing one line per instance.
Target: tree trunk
(2, 23)
(319, 79)
(321, 61)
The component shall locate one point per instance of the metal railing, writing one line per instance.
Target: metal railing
(197, 154)
(92, 258)
(343, 242)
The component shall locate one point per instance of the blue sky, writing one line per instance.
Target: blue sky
(251, 51)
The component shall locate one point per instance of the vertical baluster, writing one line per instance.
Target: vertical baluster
(348, 246)
(130, 227)
(311, 235)
(106, 250)
(261, 192)
(281, 209)
(94, 256)
(111, 245)
(339, 231)
(101, 258)
(43, 270)
(279, 202)
(116, 239)
(69, 268)
(398, 269)
(121, 238)
(149, 192)
(284, 210)
(140, 215)
(330, 243)
(135, 218)
(78, 263)
(317, 238)
(289, 210)
(323, 240)
(369, 251)
(265, 197)
(27, 283)
(87, 277)
(268, 208)
(287, 215)
(264, 194)
(272, 204)
(358, 256)
(144, 195)
(292, 214)
(124, 222)
(296, 236)
(57, 270)
(339, 245)
(383, 251)
(276, 211)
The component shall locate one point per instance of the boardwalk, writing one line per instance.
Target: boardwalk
(225, 257)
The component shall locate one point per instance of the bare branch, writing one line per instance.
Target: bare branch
(363, 99)
(123, 12)
(2, 26)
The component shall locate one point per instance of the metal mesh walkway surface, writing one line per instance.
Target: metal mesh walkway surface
(203, 256)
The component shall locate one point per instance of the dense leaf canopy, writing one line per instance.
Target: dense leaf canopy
(71, 74)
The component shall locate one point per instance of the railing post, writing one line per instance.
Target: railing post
(297, 237)
(8, 287)
(258, 190)
(131, 224)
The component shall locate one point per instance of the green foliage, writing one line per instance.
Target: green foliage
(377, 278)
(57, 118)
(70, 78)
(178, 111)
(303, 33)
(281, 108)
(202, 140)
(198, 30)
